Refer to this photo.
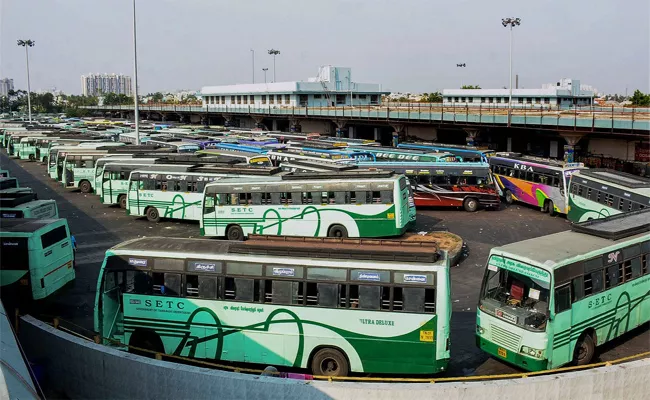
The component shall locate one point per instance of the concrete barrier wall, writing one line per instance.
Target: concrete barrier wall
(82, 369)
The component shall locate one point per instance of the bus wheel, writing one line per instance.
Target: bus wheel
(470, 204)
(549, 207)
(85, 187)
(584, 351)
(337, 231)
(44, 160)
(153, 215)
(121, 200)
(234, 232)
(329, 362)
(145, 340)
(507, 195)
(32, 157)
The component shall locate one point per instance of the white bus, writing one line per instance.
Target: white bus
(357, 203)
(177, 191)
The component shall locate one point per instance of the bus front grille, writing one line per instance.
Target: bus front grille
(505, 339)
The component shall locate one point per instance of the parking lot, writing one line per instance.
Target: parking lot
(97, 227)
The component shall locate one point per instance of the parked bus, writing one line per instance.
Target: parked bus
(26, 147)
(393, 154)
(533, 180)
(467, 185)
(4, 173)
(259, 160)
(127, 159)
(462, 153)
(329, 151)
(14, 141)
(114, 177)
(599, 193)
(280, 156)
(178, 145)
(36, 259)
(348, 141)
(315, 165)
(57, 155)
(8, 183)
(345, 204)
(292, 302)
(549, 301)
(284, 137)
(176, 192)
(79, 170)
(26, 205)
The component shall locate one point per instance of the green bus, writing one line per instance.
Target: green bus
(79, 169)
(550, 301)
(333, 306)
(599, 193)
(101, 177)
(26, 148)
(36, 259)
(176, 191)
(57, 154)
(26, 205)
(4, 173)
(8, 183)
(354, 203)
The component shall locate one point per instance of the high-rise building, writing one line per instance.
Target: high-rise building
(6, 85)
(97, 84)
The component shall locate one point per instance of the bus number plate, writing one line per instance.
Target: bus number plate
(502, 352)
(426, 336)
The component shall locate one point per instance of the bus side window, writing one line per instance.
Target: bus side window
(181, 186)
(593, 282)
(208, 204)
(282, 292)
(242, 289)
(632, 268)
(369, 297)
(413, 299)
(315, 197)
(53, 237)
(360, 197)
(341, 197)
(562, 298)
(245, 199)
(386, 197)
(142, 283)
(199, 187)
(208, 287)
(645, 264)
(233, 199)
(424, 179)
(376, 197)
(612, 276)
(256, 198)
(149, 184)
(578, 286)
(296, 197)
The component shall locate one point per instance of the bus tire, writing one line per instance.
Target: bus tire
(146, 340)
(329, 362)
(234, 232)
(152, 214)
(85, 187)
(507, 195)
(44, 160)
(337, 231)
(549, 207)
(32, 157)
(470, 204)
(584, 350)
(121, 200)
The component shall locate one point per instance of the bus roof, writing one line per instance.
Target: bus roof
(616, 177)
(26, 225)
(16, 199)
(352, 174)
(294, 247)
(237, 169)
(551, 252)
(550, 162)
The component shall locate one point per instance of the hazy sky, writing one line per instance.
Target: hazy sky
(406, 45)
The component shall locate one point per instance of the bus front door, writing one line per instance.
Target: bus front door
(561, 328)
(110, 309)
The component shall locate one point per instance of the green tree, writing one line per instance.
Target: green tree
(470, 87)
(435, 97)
(639, 99)
(156, 97)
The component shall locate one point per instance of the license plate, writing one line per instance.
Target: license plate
(502, 352)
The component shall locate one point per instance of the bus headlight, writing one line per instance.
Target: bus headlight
(532, 352)
(479, 330)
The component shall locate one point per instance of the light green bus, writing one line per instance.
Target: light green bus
(26, 205)
(599, 193)
(57, 155)
(26, 149)
(176, 192)
(550, 301)
(333, 306)
(79, 169)
(101, 176)
(36, 259)
(354, 203)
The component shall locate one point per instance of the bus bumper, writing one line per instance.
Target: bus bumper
(518, 359)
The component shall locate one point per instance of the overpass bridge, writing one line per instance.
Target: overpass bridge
(570, 123)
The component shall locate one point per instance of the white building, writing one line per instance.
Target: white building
(564, 93)
(332, 87)
(6, 85)
(96, 84)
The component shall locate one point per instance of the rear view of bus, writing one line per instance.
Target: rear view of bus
(550, 301)
(36, 258)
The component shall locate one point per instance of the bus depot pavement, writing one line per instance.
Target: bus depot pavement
(97, 227)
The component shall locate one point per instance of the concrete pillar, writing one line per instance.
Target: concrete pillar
(274, 125)
(572, 139)
(398, 132)
(259, 124)
(340, 127)
(351, 132)
(294, 125)
(377, 135)
(472, 136)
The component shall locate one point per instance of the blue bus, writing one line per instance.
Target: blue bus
(462, 153)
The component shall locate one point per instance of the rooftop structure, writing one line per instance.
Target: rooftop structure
(332, 87)
(564, 93)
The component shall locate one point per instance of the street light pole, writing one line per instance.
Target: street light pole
(253, 51)
(135, 80)
(27, 44)
(265, 69)
(511, 23)
(274, 53)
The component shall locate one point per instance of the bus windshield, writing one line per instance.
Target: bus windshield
(516, 292)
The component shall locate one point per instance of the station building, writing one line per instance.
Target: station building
(333, 87)
(565, 93)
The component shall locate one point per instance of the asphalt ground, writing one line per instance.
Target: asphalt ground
(97, 227)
